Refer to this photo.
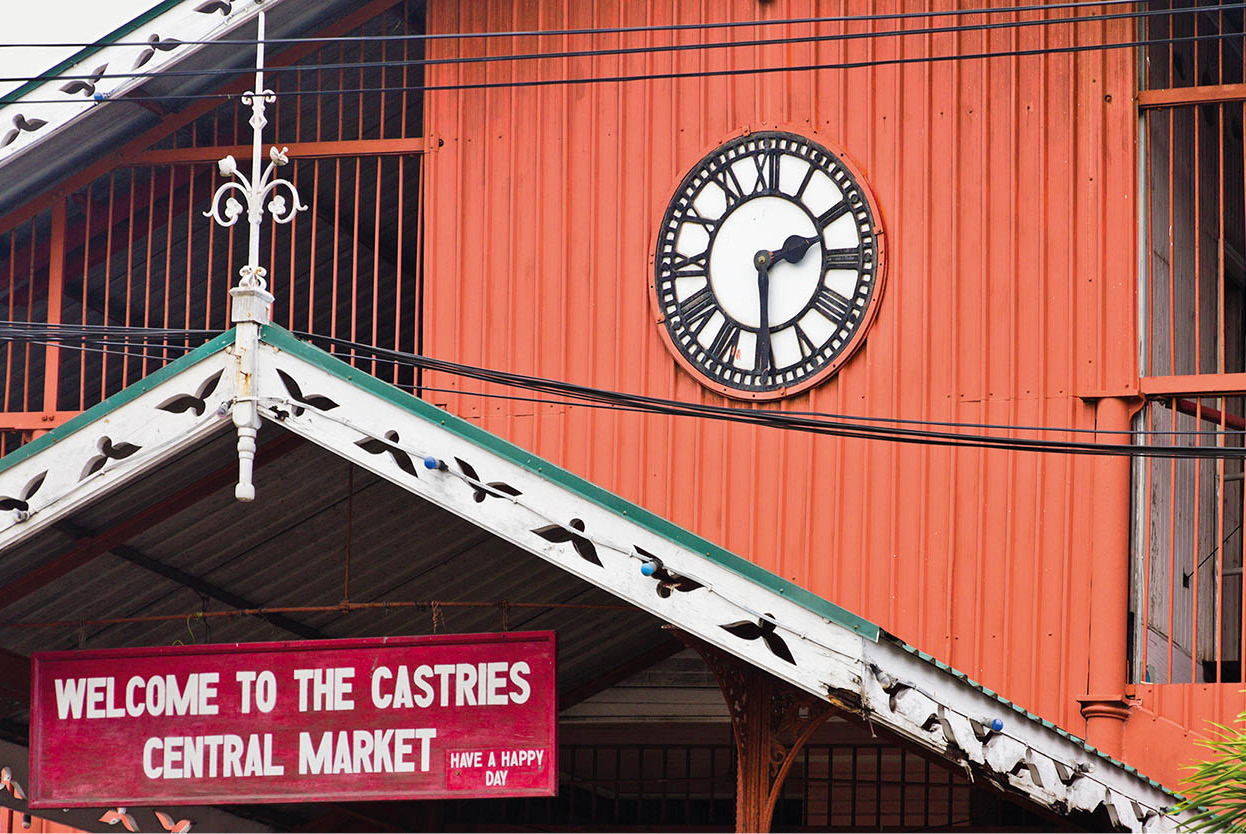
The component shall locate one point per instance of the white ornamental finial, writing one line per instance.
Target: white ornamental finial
(252, 303)
(256, 188)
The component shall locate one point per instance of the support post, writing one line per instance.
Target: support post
(252, 304)
(1105, 706)
(771, 721)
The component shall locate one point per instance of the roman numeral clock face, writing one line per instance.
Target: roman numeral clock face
(768, 267)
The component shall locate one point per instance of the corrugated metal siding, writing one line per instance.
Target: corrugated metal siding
(1007, 194)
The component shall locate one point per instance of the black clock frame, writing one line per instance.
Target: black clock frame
(717, 167)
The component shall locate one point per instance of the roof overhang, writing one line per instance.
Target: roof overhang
(79, 110)
(584, 531)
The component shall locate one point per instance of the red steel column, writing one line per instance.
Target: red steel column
(1104, 705)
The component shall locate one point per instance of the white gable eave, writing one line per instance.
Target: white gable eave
(718, 597)
(132, 432)
(669, 572)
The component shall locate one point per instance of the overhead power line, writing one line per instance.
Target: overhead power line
(115, 339)
(625, 30)
(674, 75)
(645, 50)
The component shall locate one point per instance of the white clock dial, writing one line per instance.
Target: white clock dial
(767, 264)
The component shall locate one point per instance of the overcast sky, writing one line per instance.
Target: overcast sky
(59, 21)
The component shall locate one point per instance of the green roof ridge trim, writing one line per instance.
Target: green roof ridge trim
(82, 54)
(283, 339)
(118, 399)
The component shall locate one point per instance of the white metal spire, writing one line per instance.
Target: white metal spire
(252, 303)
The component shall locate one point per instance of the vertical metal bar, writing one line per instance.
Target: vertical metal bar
(168, 266)
(354, 254)
(1198, 523)
(804, 791)
(1172, 277)
(665, 770)
(421, 202)
(56, 287)
(151, 226)
(376, 258)
(129, 277)
(7, 395)
(30, 310)
(1218, 585)
(926, 796)
(311, 276)
(190, 248)
(1198, 243)
(878, 787)
(903, 786)
(1221, 335)
(1172, 537)
(294, 178)
(1145, 599)
(399, 278)
(108, 232)
(852, 785)
(1150, 257)
(337, 215)
(592, 789)
(86, 266)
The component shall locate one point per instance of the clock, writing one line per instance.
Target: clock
(769, 266)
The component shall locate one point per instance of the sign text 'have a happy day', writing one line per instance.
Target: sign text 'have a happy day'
(383, 718)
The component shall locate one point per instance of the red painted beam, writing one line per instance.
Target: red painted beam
(88, 549)
(298, 150)
(1186, 96)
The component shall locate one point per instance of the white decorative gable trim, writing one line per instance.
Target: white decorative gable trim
(137, 430)
(39, 110)
(617, 546)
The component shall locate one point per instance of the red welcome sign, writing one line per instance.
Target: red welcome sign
(338, 720)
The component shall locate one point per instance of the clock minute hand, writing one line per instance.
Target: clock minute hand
(762, 261)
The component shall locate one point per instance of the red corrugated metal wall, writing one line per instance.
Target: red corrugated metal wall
(1007, 190)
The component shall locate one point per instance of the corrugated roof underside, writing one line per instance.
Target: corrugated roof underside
(288, 548)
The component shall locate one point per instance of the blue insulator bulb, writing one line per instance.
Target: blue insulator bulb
(997, 724)
(431, 462)
(648, 568)
(98, 96)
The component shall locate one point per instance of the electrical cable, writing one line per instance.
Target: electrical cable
(623, 30)
(661, 76)
(811, 422)
(781, 419)
(617, 51)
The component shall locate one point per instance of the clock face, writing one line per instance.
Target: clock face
(768, 265)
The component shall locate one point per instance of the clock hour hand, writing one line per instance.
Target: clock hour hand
(794, 248)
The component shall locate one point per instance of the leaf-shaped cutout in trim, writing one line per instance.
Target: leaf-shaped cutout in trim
(557, 534)
(108, 451)
(763, 628)
(376, 446)
(481, 491)
(20, 123)
(22, 501)
(193, 402)
(667, 579)
(222, 6)
(317, 401)
(85, 86)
